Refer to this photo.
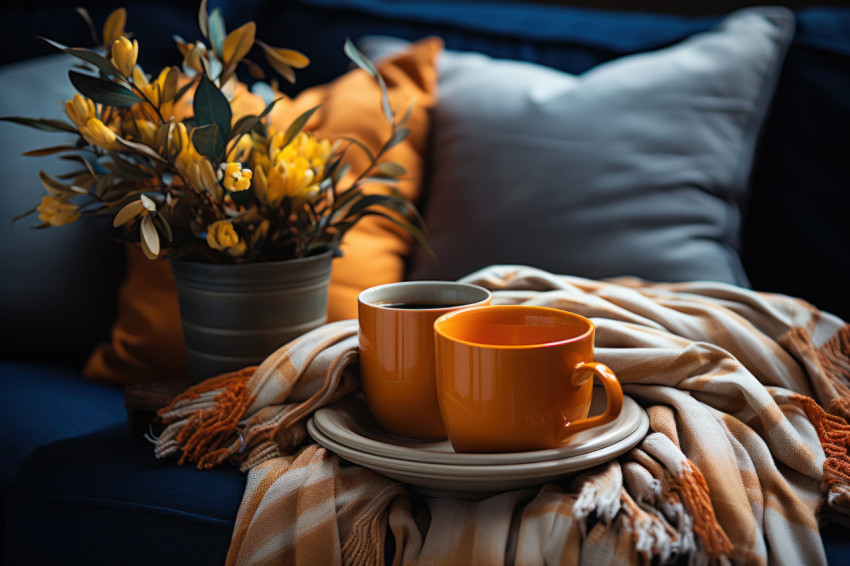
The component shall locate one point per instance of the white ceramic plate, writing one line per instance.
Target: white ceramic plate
(479, 480)
(349, 423)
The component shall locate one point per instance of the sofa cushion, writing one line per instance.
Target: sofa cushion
(636, 167)
(146, 342)
(42, 403)
(115, 503)
(57, 302)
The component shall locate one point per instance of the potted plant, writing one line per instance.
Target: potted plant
(251, 216)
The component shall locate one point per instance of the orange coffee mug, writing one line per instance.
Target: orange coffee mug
(397, 351)
(515, 377)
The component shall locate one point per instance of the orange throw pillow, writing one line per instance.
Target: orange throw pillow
(147, 338)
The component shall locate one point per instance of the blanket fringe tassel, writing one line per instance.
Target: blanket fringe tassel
(834, 356)
(693, 489)
(833, 428)
(203, 419)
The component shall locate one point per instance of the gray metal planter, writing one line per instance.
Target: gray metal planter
(235, 315)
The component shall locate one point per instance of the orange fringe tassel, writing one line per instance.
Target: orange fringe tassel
(833, 430)
(207, 436)
(834, 356)
(693, 489)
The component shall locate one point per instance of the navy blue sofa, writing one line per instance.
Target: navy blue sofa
(79, 488)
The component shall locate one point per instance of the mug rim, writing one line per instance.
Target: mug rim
(468, 311)
(378, 288)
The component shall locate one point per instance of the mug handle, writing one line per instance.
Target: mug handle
(613, 393)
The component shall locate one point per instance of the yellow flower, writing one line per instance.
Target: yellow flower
(235, 178)
(124, 55)
(57, 211)
(188, 154)
(97, 133)
(147, 131)
(222, 236)
(305, 145)
(160, 93)
(202, 176)
(139, 130)
(79, 110)
(295, 169)
(242, 149)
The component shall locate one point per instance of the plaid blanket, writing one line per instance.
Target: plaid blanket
(748, 396)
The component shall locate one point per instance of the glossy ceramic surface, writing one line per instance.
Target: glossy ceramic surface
(349, 422)
(517, 377)
(397, 352)
(433, 468)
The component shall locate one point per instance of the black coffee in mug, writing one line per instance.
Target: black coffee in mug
(419, 305)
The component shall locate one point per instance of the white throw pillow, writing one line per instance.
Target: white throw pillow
(639, 166)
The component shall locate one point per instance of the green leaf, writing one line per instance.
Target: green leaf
(247, 123)
(407, 114)
(361, 145)
(211, 107)
(163, 227)
(42, 124)
(392, 181)
(346, 196)
(71, 174)
(83, 13)
(103, 64)
(24, 215)
(183, 90)
(297, 125)
(335, 170)
(102, 91)
(261, 130)
(390, 169)
(208, 142)
(126, 168)
(243, 125)
(140, 148)
(53, 186)
(359, 58)
(85, 162)
(367, 65)
(104, 182)
(50, 150)
(414, 230)
(366, 201)
(399, 135)
(217, 31)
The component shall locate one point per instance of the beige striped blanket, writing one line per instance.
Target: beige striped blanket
(747, 451)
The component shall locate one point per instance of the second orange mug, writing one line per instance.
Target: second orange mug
(517, 377)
